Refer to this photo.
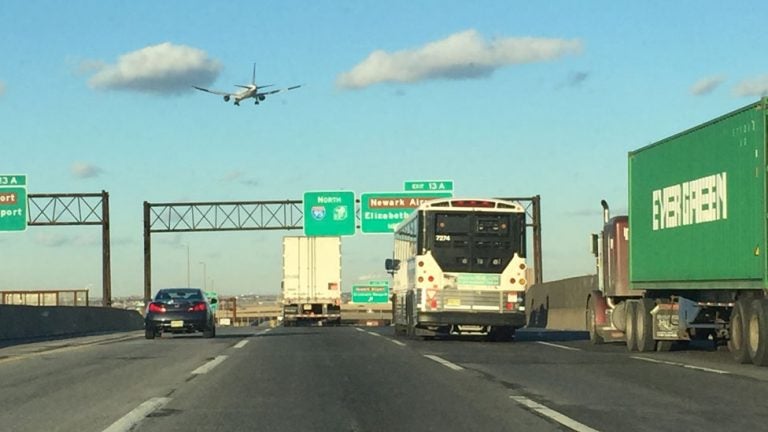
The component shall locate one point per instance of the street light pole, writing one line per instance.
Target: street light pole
(205, 277)
(188, 283)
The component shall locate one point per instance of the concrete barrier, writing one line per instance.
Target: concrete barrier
(560, 304)
(36, 322)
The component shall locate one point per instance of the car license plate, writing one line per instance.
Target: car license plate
(177, 324)
(453, 302)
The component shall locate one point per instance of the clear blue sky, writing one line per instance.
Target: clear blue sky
(505, 98)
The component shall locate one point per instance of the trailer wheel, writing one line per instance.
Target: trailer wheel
(738, 333)
(630, 332)
(757, 330)
(644, 325)
(594, 336)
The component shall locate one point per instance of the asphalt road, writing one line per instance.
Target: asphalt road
(361, 379)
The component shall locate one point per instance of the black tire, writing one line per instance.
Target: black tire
(210, 332)
(630, 331)
(737, 343)
(149, 333)
(644, 325)
(594, 337)
(757, 331)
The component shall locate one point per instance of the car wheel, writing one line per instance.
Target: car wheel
(149, 333)
(209, 332)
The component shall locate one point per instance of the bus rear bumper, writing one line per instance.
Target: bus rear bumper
(513, 318)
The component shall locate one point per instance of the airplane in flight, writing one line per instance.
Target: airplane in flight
(249, 91)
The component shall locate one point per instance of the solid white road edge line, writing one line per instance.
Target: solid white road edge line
(359, 329)
(687, 366)
(210, 365)
(558, 346)
(552, 414)
(241, 344)
(444, 362)
(373, 333)
(130, 420)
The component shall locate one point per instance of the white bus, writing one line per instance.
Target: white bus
(459, 268)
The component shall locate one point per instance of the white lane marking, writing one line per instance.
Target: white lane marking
(241, 344)
(687, 366)
(359, 329)
(373, 333)
(552, 414)
(396, 342)
(444, 362)
(210, 365)
(130, 420)
(565, 347)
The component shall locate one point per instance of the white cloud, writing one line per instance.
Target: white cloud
(756, 86)
(160, 69)
(462, 55)
(706, 85)
(84, 170)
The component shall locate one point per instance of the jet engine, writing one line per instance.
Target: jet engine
(262, 97)
(226, 98)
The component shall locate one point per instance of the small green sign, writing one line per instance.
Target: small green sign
(329, 213)
(13, 202)
(478, 279)
(381, 212)
(429, 185)
(371, 292)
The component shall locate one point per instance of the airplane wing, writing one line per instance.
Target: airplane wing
(214, 91)
(277, 91)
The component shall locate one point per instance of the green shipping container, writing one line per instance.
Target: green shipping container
(697, 206)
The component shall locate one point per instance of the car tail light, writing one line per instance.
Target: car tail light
(157, 308)
(509, 305)
(198, 307)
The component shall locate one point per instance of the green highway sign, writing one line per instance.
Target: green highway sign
(371, 292)
(381, 212)
(13, 202)
(429, 185)
(329, 213)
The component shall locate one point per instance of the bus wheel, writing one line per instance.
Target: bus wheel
(630, 332)
(757, 331)
(644, 325)
(737, 342)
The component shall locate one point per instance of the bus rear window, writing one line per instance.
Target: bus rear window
(452, 223)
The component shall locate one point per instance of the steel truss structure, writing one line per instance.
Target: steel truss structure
(268, 215)
(76, 209)
(215, 216)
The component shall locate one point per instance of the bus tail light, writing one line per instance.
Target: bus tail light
(431, 278)
(421, 263)
(522, 281)
(512, 280)
(421, 279)
(433, 303)
(509, 306)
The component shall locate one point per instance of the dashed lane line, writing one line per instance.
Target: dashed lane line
(552, 414)
(396, 342)
(129, 421)
(565, 347)
(204, 369)
(444, 362)
(687, 366)
(241, 344)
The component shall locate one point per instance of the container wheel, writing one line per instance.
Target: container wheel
(757, 331)
(644, 325)
(737, 343)
(630, 332)
(594, 336)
